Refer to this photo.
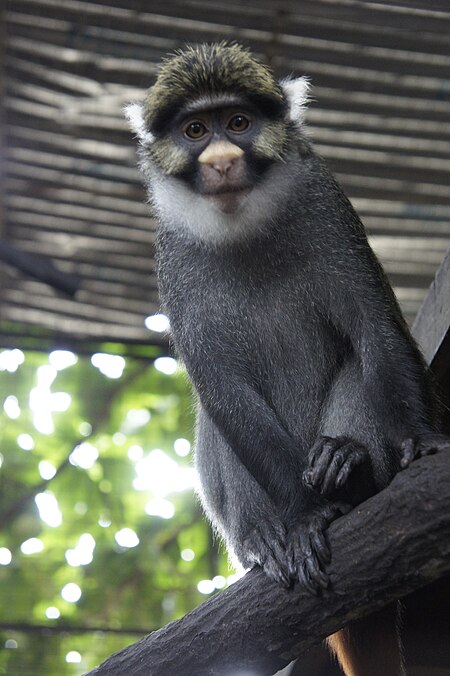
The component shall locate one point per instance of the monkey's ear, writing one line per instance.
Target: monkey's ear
(296, 91)
(134, 113)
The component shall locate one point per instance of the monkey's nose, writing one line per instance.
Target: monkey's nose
(222, 164)
(221, 155)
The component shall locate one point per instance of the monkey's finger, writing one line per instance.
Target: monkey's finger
(338, 509)
(347, 468)
(407, 452)
(278, 573)
(319, 544)
(322, 451)
(272, 533)
(294, 554)
(431, 443)
(305, 580)
(344, 474)
(277, 570)
(276, 554)
(315, 553)
(330, 478)
(317, 576)
(298, 550)
(418, 447)
(322, 461)
(316, 450)
(292, 565)
(313, 476)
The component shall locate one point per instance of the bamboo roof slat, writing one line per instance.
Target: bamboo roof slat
(380, 115)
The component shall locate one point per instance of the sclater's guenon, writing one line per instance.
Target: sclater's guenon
(311, 392)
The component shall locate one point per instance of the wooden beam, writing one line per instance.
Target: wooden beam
(379, 554)
(431, 329)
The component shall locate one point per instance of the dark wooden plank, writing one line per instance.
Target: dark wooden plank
(431, 328)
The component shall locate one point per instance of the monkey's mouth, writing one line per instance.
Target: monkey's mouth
(228, 201)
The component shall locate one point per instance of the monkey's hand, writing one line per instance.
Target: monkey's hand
(340, 469)
(423, 444)
(308, 550)
(265, 546)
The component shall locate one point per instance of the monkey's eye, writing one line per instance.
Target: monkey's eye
(195, 130)
(239, 123)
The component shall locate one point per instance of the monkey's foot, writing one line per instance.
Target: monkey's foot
(308, 550)
(333, 462)
(265, 546)
(423, 444)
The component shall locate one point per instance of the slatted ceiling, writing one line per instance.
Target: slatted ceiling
(108, 291)
(27, 222)
(21, 296)
(84, 36)
(104, 223)
(63, 325)
(337, 120)
(379, 114)
(58, 202)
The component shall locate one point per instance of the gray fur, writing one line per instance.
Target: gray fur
(295, 345)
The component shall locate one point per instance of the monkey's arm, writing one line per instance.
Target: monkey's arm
(362, 305)
(381, 411)
(285, 546)
(247, 422)
(395, 377)
(203, 328)
(359, 302)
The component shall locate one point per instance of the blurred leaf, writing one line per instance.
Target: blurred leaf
(144, 586)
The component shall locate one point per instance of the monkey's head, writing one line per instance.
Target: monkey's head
(215, 130)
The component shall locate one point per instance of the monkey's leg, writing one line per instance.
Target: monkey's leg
(238, 507)
(370, 646)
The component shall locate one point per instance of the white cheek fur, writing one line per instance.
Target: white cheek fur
(180, 208)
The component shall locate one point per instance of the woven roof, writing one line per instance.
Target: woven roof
(71, 191)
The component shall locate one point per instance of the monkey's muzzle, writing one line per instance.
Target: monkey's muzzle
(224, 176)
(228, 202)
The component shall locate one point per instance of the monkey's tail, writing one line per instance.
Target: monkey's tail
(370, 646)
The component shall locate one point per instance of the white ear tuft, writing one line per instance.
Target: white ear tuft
(296, 92)
(135, 117)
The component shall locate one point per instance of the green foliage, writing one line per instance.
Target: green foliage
(107, 511)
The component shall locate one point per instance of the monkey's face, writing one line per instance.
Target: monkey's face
(218, 140)
(218, 151)
(216, 131)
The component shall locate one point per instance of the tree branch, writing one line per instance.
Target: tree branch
(392, 544)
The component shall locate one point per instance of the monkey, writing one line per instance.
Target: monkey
(311, 392)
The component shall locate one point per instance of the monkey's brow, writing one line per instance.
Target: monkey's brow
(211, 102)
